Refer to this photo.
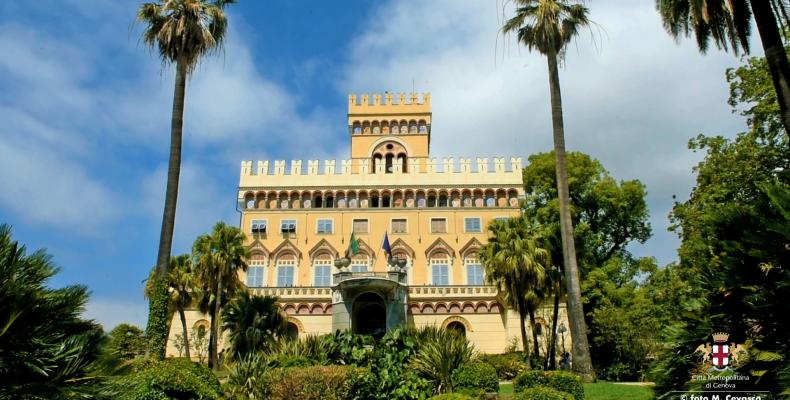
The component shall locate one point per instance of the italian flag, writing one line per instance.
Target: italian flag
(353, 246)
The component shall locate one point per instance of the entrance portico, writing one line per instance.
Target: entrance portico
(369, 302)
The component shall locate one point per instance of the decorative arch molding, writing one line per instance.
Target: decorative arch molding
(455, 318)
(402, 246)
(472, 246)
(201, 322)
(364, 247)
(395, 139)
(286, 246)
(257, 247)
(322, 246)
(439, 245)
(299, 325)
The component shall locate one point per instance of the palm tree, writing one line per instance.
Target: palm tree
(47, 351)
(548, 26)
(219, 257)
(516, 265)
(728, 23)
(183, 31)
(554, 285)
(254, 324)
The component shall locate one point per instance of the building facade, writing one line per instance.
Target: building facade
(299, 222)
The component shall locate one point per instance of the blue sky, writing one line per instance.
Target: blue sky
(86, 108)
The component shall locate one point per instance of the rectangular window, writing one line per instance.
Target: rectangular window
(288, 226)
(324, 226)
(258, 226)
(360, 226)
(255, 276)
(323, 275)
(472, 224)
(474, 274)
(438, 225)
(440, 274)
(399, 225)
(285, 275)
(359, 268)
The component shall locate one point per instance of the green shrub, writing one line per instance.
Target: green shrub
(542, 393)
(567, 382)
(440, 353)
(330, 382)
(170, 378)
(247, 378)
(451, 396)
(507, 366)
(287, 361)
(475, 375)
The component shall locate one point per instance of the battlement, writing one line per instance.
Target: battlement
(389, 103)
(356, 172)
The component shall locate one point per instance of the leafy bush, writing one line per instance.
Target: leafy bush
(330, 382)
(508, 366)
(542, 393)
(567, 382)
(170, 378)
(287, 361)
(451, 396)
(247, 378)
(475, 375)
(440, 353)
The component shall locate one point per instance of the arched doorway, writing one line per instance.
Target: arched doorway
(457, 327)
(369, 315)
(292, 331)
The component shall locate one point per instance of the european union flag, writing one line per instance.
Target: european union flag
(386, 245)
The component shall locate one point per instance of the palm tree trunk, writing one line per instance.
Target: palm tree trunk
(524, 343)
(582, 364)
(214, 351)
(154, 330)
(184, 330)
(552, 357)
(775, 56)
(534, 333)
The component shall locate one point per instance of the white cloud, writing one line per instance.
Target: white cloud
(632, 101)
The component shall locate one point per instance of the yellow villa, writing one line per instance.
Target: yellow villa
(299, 220)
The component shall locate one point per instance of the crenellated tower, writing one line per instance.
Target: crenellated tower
(390, 130)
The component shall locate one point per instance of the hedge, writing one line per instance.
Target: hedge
(542, 393)
(451, 396)
(319, 382)
(507, 366)
(170, 378)
(475, 375)
(560, 380)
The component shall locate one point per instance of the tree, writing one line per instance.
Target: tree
(728, 23)
(46, 350)
(515, 263)
(548, 26)
(254, 324)
(219, 257)
(126, 342)
(183, 31)
(181, 281)
(734, 252)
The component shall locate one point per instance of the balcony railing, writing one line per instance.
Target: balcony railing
(453, 290)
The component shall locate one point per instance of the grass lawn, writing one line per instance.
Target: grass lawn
(600, 391)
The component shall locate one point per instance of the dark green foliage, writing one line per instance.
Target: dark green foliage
(320, 382)
(507, 366)
(439, 354)
(247, 378)
(475, 375)
(158, 326)
(172, 378)
(451, 396)
(253, 323)
(46, 349)
(567, 382)
(542, 393)
(126, 342)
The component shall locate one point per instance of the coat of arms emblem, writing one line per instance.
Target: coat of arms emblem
(721, 354)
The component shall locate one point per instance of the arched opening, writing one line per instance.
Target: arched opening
(369, 316)
(388, 163)
(292, 331)
(457, 328)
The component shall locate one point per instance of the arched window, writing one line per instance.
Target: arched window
(440, 269)
(443, 200)
(322, 270)
(256, 273)
(388, 167)
(474, 270)
(286, 269)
